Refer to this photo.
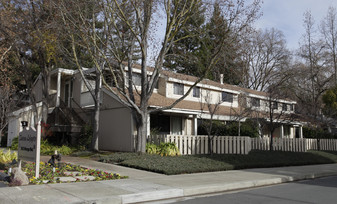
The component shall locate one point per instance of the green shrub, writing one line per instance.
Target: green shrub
(168, 149)
(152, 148)
(313, 132)
(49, 149)
(247, 128)
(164, 149)
(15, 143)
(8, 156)
(86, 137)
(46, 148)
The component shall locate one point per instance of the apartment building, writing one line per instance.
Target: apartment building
(71, 107)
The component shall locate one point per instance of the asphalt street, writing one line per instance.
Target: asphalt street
(323, 190)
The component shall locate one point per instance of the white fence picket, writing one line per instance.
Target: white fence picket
(188, 144)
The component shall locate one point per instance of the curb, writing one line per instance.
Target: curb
(152, 196)
(213, 189)
(252, 184)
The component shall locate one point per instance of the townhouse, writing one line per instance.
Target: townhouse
(71, 107)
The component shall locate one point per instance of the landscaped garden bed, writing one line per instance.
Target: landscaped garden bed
(65, 173)
(61, 173)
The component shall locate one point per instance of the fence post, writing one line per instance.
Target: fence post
(214, 144)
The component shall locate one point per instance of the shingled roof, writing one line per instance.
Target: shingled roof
(190, 78)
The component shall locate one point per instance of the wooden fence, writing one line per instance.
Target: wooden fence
(188, 144)
(280, 144)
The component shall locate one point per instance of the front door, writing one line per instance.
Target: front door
(67, 93)
(176, 125)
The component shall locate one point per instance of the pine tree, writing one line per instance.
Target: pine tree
(188, 56)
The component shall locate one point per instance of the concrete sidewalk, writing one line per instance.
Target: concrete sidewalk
(146, 186)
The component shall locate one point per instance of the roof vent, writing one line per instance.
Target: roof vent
(221, 78)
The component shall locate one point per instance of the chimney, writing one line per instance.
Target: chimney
(221, 78)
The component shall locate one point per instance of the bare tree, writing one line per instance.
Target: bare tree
(329, 31)
(312, 74)
(124, 36)
(29, 29)
(241, 112)
(266, 57)
(7, 90)
(208, 106)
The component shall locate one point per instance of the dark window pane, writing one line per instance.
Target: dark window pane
(255, 102)
(227, 97)
(284, 107)
(136, 79)
(178, 89)
(196, 92)
(160, 123)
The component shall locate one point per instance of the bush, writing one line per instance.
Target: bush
(164, 149)
(15, 143)
(312, 132)
(86, 137)
(248, 128)
(8, 156)
(49, 149)
(152, 148)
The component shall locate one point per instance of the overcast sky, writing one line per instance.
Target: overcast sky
(287, 16)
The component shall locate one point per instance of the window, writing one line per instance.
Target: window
(291, 107)
(136, 79)
(156, 84)
(227, 97)
(196, 92)
(274, 105)
(255, 102)
(92, 84)
(178, 89)
(284, 107)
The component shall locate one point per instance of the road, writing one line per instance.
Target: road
(316, 191)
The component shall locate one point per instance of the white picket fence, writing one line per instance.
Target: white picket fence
(294, 144)
(188, 144)
(280, 144)
(325, 144)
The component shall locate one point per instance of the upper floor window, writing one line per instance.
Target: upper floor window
(136, 79)
(274, 105)
(196, 92)
(178, 89)
(227, 97)
(255, 102)
(284, 107)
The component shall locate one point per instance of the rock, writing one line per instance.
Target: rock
(72, 173)
(18, 178)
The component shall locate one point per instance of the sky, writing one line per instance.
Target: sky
(287, 16)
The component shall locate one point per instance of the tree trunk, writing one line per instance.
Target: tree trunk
(141, 124)
(0, 136)
(210, 144)
(271, 141)
(95, 136)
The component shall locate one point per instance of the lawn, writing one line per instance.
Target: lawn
(206, 163)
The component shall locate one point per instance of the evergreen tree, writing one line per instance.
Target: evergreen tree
(199, 39)
(229, 64)
(188, 55)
